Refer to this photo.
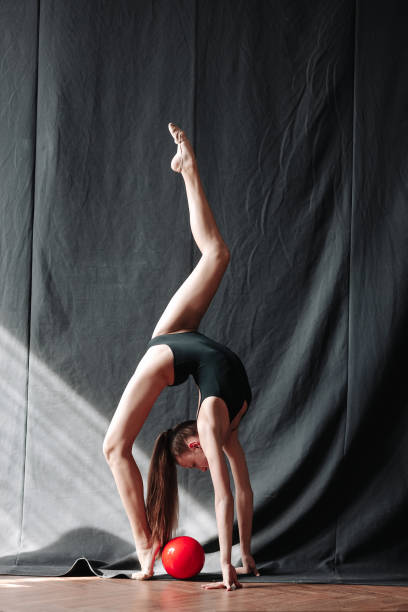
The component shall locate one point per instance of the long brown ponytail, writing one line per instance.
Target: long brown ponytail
(162, 493)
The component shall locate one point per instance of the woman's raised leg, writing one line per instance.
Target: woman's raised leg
(191, 300)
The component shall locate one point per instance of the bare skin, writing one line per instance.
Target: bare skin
(217, 436)
(196, 458)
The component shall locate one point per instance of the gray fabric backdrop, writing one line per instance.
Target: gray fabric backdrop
(298, 112)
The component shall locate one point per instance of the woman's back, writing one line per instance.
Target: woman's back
(216, 369)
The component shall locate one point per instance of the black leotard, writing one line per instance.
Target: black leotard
(215, 368)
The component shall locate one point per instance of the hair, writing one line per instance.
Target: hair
(162, 492)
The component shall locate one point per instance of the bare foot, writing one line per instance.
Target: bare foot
(184, 160)
(147, 557)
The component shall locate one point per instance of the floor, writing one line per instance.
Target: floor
(35, 594)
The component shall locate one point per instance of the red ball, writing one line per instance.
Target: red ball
(183, 557)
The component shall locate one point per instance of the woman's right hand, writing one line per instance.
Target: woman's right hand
(229, 579)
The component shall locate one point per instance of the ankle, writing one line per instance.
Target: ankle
(190, 174)
(143, 541)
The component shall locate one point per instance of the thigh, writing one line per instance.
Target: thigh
(188, 305)
(140, 393)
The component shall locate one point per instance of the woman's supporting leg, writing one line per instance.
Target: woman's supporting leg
(191, 300)
(135, 404)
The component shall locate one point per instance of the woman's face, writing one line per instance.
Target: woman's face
(194, 458)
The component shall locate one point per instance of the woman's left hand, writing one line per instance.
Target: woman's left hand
(248, 566)
(230, 580)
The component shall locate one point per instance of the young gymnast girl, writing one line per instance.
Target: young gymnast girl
(175, 351)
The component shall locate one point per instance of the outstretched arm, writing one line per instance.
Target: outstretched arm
(210, 431)
(244, 501)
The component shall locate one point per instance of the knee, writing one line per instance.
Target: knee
(222, 254)
(226, 255)
(107, 448)
(113, 449)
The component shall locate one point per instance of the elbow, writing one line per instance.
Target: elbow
(245, 493)
(224, 499)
